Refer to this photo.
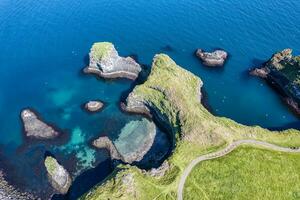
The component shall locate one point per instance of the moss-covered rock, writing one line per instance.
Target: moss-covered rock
(58, 176)
(106, 63)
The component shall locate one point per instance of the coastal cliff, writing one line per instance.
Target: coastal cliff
(283, 72)
(172, 96)
(106, 63)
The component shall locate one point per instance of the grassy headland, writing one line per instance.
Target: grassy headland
(174, 95)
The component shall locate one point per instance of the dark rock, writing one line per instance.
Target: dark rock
(105, 62)
(36, 128)
(283, 72)
(213, 59)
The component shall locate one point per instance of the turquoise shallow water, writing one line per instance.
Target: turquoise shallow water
(44, 46)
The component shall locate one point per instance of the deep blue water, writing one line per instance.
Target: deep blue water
(44, 46)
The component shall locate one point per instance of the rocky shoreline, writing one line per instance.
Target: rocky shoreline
(281, 72)
(8, 192)
(106, 63)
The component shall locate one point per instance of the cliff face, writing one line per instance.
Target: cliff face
(283, 70)
(106, 62)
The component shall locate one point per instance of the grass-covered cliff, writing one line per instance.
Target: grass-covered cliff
(172, 95)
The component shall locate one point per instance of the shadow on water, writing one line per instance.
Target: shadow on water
(167, 48)
(85, 181)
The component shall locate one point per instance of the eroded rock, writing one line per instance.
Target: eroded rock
(213, 59)
(106, 63)
(36, 128)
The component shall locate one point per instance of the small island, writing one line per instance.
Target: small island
(216, 58)
(94, 106)
(35, 127)
(106, 63)
(283, 72)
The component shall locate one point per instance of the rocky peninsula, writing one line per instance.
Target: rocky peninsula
(106, 63)
(172, 95)
(216, 58)
(58, 176)
(35, 127)
(282, 71)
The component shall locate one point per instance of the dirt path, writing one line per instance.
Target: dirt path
(223, 152)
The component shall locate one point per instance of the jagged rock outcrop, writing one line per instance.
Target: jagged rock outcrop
(93, 106)
(35, 127)
(58, 176)
(283, 72)
(106, 62)
(134, 141)
(213, 59)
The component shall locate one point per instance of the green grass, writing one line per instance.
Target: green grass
(174, 93)
(50, 164)
(246, 173)
(101, 49)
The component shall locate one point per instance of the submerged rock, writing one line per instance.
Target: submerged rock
(213, 59)
(134, 142)
(93, 106)
(58, 176)
(36, 128)
(105, 62)
(283, 72)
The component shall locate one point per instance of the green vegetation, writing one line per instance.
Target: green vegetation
(246, 173)
(50, 164)
(101, 49)
(174, 94)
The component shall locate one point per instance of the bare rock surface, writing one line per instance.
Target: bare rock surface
(35, 127)
(93, 106)
(213, 59)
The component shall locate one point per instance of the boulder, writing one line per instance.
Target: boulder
(106, 63)
(213, 59)
(58, 176)
(35, 127)
(93, 106)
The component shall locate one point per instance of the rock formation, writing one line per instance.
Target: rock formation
(134, 142)
(213, 59)
(36, 128)
(105, 62)
(93, 106)
(283, 72)
(59, 178)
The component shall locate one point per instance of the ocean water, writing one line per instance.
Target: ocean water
(44, 46)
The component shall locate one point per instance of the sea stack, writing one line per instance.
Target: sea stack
(106, 63)
(214, 59)
(36, 128)
(282, 71)
(93, 106)
(58, 176)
